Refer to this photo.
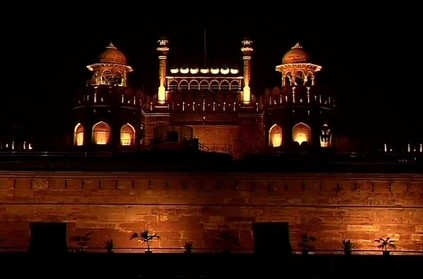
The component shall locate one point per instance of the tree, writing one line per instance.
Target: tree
(145, 237)
(347, 246)
(386, 244)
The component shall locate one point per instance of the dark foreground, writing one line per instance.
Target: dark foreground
(207, 266)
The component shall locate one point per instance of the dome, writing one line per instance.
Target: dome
(112, 55)
(296, 55)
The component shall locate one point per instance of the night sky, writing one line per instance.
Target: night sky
(368, 55)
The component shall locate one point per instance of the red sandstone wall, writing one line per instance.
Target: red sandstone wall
(219, 138)
(197, 206)
(151, 122)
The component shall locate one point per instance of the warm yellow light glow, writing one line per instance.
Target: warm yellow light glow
(194, 71)
(214, 71)
(101, 133)
(127, 135)
(224, 71)
(301, 133)
(174, 71)
(80, 139)
(79, 135)
(246, 95)
(234, 71)
(275, 136)
(204, 70)
(126, 139)
(184, 70)
(100, 138)
(300, 137)
(276, 140)
(162, 95)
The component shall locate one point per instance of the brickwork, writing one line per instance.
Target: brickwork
(197, 206)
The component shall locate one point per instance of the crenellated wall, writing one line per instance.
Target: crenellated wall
(198, 206)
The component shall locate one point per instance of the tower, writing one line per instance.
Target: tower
(162, 49)
(298, 114)
(247, 50)
(106, 112)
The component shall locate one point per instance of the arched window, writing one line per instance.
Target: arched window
(101, 133)
(173, 85)
(127, 135)
(224, 85)
(275, 136)
(301, 133)
(183, 85)
(214, 85)
(235, 85)
(78, 135)
(325, 136)
(194, 85)
(204, 85)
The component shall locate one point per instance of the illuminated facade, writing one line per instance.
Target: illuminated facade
(212, 106)
(298, 114)
(107, 111)
(196, 200)
(196, 206)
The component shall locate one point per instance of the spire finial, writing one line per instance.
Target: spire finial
(297, 45)
(111, 45)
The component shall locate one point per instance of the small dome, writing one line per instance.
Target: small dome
(296, 55)
(112, 55)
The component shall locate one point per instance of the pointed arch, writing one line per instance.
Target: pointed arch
(78, 135)
(101, 133)
(127, 135)
(275, 136)
(301, 133)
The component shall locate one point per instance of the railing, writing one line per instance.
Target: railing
(219, 148)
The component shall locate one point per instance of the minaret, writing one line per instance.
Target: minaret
(162, 49)
(247, 50)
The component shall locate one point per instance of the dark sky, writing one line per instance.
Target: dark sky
(369, 54)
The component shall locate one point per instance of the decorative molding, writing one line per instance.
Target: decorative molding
(40, 184)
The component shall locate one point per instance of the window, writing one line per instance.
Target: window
(127, 135)
(275, 136)
(301, 133)
(101, 133)
(325, 136)
(78, 135)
